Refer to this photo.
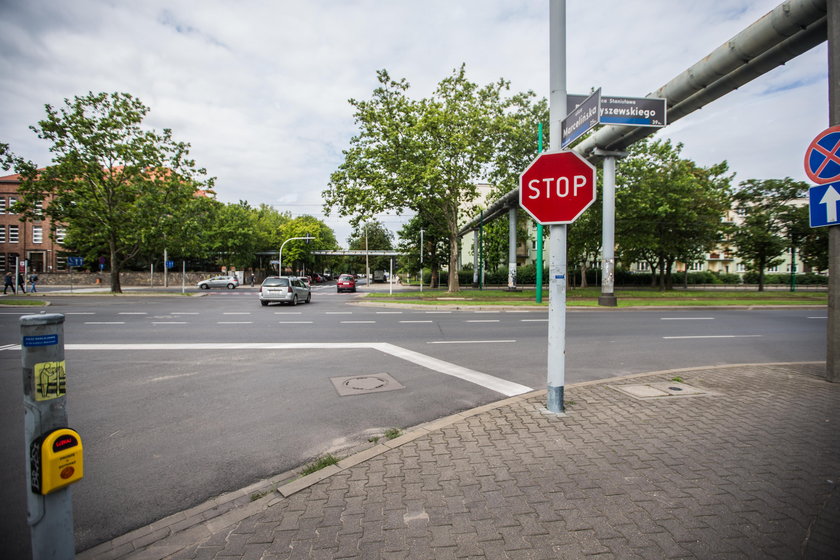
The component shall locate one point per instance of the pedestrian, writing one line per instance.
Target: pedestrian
(252, 278)
(7, 283)
(32, 279)
(21, 284)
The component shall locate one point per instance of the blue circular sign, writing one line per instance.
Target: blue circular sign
(822, 160)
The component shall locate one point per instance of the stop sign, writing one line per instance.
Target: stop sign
(556, 188)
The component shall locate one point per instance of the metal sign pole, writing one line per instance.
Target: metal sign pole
(557, 241)
(50, 516)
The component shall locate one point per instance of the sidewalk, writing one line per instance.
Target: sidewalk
(724, 462)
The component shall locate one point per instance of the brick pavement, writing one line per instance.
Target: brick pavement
(748, 470)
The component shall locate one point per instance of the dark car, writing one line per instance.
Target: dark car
(345, 283)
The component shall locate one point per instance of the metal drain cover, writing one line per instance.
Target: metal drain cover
(361, 384)
(658, 390)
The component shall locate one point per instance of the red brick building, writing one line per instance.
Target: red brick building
(34, 240)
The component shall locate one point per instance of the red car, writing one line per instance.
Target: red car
(345, 283)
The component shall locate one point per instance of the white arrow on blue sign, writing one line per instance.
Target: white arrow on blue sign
(824, 204)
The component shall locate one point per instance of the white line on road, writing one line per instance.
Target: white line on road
(468, 341)
(10, 347)
(534, 320)
(424, 321)
(482, 321)
(356, 322)
(818, 317)
(437, 312)
(339, 312)
(714, 336)
(389, 312)
(185, 313)
(507, 388)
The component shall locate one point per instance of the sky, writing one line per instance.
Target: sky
(260, 89)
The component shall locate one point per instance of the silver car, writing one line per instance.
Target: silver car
(284, 289)
(229, 282)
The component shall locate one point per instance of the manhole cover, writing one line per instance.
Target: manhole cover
(360, 384)
(646, 391)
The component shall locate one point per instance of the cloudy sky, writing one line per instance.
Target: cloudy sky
(260, 88)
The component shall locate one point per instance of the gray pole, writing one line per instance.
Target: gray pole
(557, 233)
(50, 516)
(833, 339)
(165, 269)
(421, 260)
(475, 258)
(607, 297)
(512, 248)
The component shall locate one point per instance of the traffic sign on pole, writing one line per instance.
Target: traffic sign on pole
(557, 187)
(822, 161)
(824, 205)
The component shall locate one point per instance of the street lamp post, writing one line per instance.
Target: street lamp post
(280, 255)
(421, 260)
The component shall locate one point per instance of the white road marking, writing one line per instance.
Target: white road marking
(185, 313)
(10, 347)
(339, 312)
(507, 388)
(468, 341)
(482, 320)
(389, 312)
(714, 336)
(818, 317)
(357, 322)
(437, 312)
(424, 321)
(534, 320)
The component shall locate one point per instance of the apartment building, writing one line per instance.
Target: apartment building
(35, 241)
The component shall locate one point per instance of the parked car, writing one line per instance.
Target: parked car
(317, 278)
(284, 289)
(229, 282)
(345, 283)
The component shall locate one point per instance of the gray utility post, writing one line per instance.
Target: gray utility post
(833, 339)
(421, 259)
(280, 254)
(607, 297)
(50, 516)
(512, 248)
(557, 240)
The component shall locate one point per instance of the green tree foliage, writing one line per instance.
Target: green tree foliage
(435, 246)
(232, 240)
(668, 209)
(116, 185)
(373, 236)
(428, 152)
(768, 221)
(297, 254)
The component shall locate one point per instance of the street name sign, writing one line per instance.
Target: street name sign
(824, 205)
(75, 261)
(557, 187)
(580, 119)
(629, 111)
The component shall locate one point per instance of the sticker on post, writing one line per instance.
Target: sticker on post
(40, 340)
(50, 381)
(559, 276)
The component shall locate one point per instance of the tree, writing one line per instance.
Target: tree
(768, 221)
(427, 153)
(297, 254)
(435, 246)
(668, 208)
(115, 185)
(372, 236)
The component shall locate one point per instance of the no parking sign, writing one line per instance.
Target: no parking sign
(822, 161)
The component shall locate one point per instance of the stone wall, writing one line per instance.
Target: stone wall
(129, 278)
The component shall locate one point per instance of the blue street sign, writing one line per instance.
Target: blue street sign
(170, 264)
(824, 204)
(75, 261)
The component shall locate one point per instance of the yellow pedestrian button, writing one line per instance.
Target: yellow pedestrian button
(56, 460)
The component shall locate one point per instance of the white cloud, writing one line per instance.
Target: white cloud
(260, 88)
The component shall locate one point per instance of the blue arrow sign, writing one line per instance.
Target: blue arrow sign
(824, 204)
(75, 261)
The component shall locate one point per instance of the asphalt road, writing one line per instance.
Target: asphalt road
(168, 423)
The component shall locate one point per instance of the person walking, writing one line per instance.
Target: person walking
(8, 283)
(32, 279)
(21, 284)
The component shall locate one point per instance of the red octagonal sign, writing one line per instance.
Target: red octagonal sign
(556, 188)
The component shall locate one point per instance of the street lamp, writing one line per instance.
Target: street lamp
(280, 255)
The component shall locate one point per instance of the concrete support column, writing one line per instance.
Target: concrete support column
(512, 248)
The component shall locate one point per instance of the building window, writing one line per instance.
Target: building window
(61, 263)
(2, 233)
(642, 266)
(37, 234)
(39, 211)
(696, 266)
(3, 262)
(12, 201)
(772, 269)
(14, 234)
(11, 259)
(60, 234)
(740, 267)
(2, 204)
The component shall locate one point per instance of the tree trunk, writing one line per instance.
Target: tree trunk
(761, 263)
(454, 285)
(115, 267)
(583, 269)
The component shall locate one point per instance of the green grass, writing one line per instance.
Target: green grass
(393, 433)
(320, 463)
(588, 297)
(23, 302)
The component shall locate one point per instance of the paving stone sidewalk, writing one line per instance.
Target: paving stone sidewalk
(747, 466)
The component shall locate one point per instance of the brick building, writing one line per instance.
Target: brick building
(36, 241)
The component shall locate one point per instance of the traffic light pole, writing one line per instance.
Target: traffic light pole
(833, 327)
(557, 240)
